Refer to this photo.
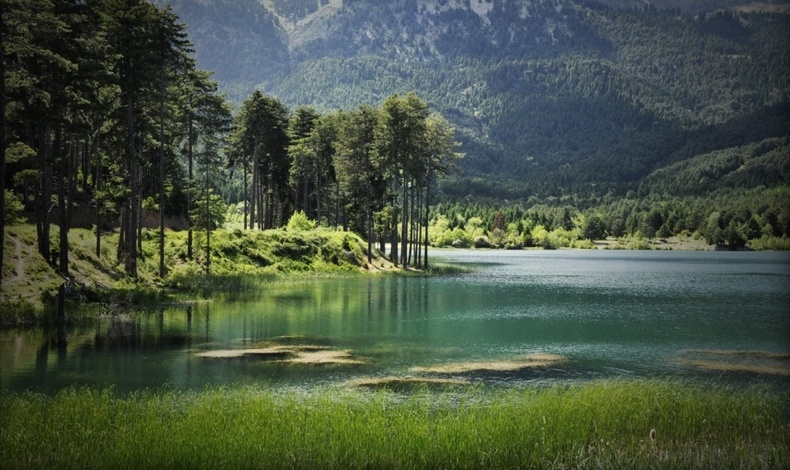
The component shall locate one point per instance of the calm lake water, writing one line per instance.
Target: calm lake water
(607, 313)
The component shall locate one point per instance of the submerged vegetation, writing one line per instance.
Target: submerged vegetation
(639, 423)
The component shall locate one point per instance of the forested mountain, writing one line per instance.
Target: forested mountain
(550, 97)
(578, 120)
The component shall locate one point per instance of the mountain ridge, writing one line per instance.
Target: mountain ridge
(548, 96)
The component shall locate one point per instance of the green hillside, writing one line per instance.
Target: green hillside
(550, 98)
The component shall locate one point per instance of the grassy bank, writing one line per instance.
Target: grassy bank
(239, 260)
(650, 423)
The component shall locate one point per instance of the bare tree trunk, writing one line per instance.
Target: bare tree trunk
(2, 142)
(62, 178)
(318, 189)
(120, 251)
(99, 182)
(190, 184)
(255, 189)
(337, 204)
(404, 226)
(413, 258)
(43, 205)
(162, 176)
(306, 197)
(427, 215)
(268, 203)
(132, 217)
(208, 229)
(416, 230)
(394, 233)
(370, 225)
(139, 220)
(246, 195)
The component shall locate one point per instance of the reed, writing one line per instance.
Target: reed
(638, 423)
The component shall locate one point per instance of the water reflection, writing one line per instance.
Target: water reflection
(607, 314)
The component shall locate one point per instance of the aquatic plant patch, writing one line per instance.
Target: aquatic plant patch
(754, 362)
(290, 354)
(407, 383)
(530, 361)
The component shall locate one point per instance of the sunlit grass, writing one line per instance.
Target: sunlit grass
(611, 424)
(242, 261)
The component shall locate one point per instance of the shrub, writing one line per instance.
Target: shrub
(13, 206)
(299, 222)
(482, 242)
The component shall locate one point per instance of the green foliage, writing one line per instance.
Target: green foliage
(267, 253)
(731, 218)
(300, 222)
(616, 424)
(13, 206)
(209, 214)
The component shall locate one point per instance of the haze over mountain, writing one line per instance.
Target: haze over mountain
(549, 97)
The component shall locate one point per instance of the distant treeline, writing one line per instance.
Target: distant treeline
(730, 198)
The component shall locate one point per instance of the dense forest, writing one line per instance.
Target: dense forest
(109, 123)
(550, 98)
(637, 124)
(556, 103)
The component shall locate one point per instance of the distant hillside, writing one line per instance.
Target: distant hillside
(762, 163)
(549, 97)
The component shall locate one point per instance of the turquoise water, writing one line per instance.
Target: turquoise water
(607, 313)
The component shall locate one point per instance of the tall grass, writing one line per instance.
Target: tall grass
(644, 423)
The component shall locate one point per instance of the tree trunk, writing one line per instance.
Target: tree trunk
(208, 230)
(120, 251)
(162, 175)
(269, 203)
(394, 233)
(44, 198)
(416, 230)
(306, 196)
(63, 161)
(132, 216)
(337, 204)
(255, 184)
(2, 142)
(370, 225)
(427, 221)
(246, 195)
(404, 226)
(98, 184)
(318, 189)
(190, 184)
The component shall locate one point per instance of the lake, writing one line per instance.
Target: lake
(516, 318)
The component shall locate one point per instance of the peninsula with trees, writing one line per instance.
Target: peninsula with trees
(140, 138)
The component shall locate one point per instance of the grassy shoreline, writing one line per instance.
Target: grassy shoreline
(621, 423)
(239, 260)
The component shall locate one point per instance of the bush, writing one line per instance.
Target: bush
(13, 206)
(461, 239)
(300, 222)
(482, 242)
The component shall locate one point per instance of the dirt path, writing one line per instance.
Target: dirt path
(19, 267)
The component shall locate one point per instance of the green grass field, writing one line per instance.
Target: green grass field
(610, 424)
